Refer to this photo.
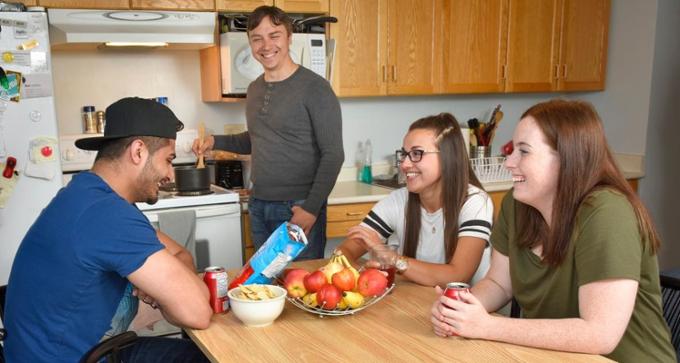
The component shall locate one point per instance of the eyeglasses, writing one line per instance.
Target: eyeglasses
(414, 155)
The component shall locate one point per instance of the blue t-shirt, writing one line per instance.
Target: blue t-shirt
(70, 271)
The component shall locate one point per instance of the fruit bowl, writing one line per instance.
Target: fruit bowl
(337, 312)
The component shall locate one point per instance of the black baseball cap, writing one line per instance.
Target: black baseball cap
(134, 116)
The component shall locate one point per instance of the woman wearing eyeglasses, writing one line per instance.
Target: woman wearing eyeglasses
(441, 220)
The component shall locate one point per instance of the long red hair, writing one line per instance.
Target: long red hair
(575, 131)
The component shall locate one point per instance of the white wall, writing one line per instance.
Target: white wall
(659, 189)
(101, 77)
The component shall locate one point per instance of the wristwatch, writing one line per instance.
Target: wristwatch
(401, 264)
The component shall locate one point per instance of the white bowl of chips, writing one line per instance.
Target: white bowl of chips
(257, 305)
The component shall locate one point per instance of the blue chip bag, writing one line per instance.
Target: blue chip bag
(282, 247)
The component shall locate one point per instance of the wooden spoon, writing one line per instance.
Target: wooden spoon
(201, 137)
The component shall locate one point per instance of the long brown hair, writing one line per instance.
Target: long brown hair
(456, 174)
(575, 131)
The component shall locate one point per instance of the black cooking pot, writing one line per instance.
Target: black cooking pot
(191, 179)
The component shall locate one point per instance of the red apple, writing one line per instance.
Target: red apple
(328, 296)
(371, 282)
(294, 282)
(507, 149)
(343, 280)
(314, 281)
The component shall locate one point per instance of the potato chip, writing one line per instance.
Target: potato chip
(255, 292)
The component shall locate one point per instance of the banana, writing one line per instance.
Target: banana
(310, 300)
(342, 305)
(353, 299)
(333, 266)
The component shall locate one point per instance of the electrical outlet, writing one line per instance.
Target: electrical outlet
(234, 128)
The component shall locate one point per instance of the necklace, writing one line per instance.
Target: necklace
(431, 219)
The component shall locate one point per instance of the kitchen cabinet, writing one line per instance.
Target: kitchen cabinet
(557, 45)
(290, 6)
(29, 2)
(533, 45)
(473, 46)
(85, 4)
(583, 46)
(194, 5)
(248, 249)
(380, 50)
(340, 217)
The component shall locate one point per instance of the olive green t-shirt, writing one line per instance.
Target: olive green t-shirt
(605, 244)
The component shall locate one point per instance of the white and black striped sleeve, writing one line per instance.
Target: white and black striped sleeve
(385, 214)
(374, 221)
(476, 216)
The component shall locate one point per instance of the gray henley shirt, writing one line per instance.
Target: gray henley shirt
(294, 136)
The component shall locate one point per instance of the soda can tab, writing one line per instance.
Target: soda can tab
(453, 289)
(282, 247)
(216, 279)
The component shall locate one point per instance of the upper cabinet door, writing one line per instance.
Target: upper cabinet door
(474, 45)
(240, 5)
(360, 65)
(85, 4)
(585, 25)
(533, 45)
(303, 6)
(198, 5)
(411, 56)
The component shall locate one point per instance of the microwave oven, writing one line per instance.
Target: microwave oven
(239, 67)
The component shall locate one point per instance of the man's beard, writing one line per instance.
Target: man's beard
(148, 180)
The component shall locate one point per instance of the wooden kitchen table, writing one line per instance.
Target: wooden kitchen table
(397, 328)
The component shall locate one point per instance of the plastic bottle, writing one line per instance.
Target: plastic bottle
(366, 171)
(359, 160)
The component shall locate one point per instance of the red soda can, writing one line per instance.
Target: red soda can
(454, 288)
(217, 280)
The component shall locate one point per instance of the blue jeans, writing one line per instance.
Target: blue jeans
(162, 350)
(266, 216)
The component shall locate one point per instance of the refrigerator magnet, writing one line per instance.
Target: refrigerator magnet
(7, 184)
(42, 149)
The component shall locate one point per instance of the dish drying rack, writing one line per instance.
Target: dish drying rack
(491, 169)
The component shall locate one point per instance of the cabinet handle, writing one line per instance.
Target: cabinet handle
(504, 71)
(394, 73)
(353, 214)
(384, 73)
(564, 71)
(557, 71)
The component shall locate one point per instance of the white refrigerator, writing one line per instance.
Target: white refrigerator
(29, 155)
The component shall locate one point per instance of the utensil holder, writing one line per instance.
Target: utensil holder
(477, 152)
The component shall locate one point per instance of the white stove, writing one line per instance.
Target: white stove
(168, 200)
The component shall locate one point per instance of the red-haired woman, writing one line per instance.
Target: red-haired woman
(441, 220)
(573, 244)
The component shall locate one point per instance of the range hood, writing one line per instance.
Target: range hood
(83, 28)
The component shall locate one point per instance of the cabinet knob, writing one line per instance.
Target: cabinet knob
(353, 214)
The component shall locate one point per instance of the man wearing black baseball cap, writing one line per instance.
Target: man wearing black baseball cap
(90, 242)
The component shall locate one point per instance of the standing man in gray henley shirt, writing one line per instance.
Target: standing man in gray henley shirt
(294, 135)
